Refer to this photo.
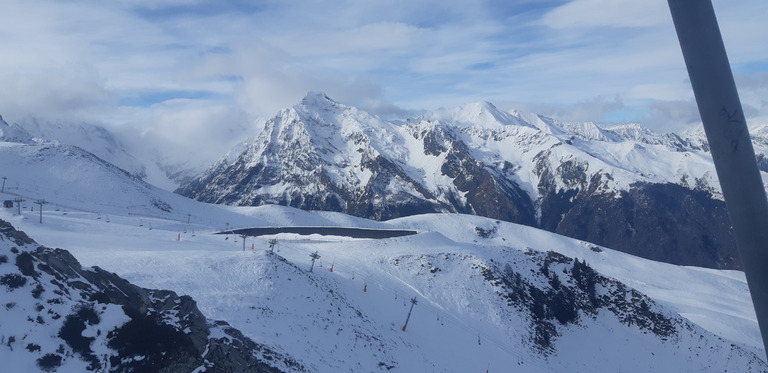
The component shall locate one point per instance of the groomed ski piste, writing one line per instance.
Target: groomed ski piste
(348, 312)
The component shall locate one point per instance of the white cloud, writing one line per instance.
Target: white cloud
(587, 110)
(610, 13)
(753, 92)
(671, 116)
(73, 94)
(381, 36)
(743, 27)
(170, 66)
(192, 132)
(661, 91)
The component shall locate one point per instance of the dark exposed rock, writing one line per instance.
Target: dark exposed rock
(179, 332)
(25, 263)
(49, 362)
(572, 294)
(13, 281)
(72, 329)
(486, 194)
(8, 232)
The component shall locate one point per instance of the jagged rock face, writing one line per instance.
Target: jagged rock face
(319, 161)
(8, 232)
(626, 188)
(105, 324)
(378, 200)
(484, 193)
(565, 289)
(343, 161)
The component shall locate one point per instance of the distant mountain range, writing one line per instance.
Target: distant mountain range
(624, 187)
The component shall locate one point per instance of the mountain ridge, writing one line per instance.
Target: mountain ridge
(479, 160)
(348, 314)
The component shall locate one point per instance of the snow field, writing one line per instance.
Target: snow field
(716, 300)
(232, 285)
(326, 320)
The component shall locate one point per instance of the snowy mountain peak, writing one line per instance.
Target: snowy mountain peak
(308, 154)
(483, 114)
(316, 120)
(477, 159)
(13, 133)
(583, 130)
(317, 110)
(317, 98)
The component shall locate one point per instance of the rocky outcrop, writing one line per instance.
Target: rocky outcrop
(109, 325)
(569, 290)
(483, 192)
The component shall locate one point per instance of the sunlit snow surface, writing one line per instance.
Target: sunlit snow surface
(327, 321)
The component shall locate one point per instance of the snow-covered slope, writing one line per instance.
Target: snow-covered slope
(13, 133)
(59, 316)
(69, 180)
(489, 294)
(44, 170)
(92, 138)
(123, 149)
(629, 153)
(486, 296)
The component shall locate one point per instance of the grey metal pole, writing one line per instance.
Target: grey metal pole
(413, 303)
(41, 202)
(314, 257)
(18, 203)
(729, 141)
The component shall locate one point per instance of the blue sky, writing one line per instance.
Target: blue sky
(183, 69)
